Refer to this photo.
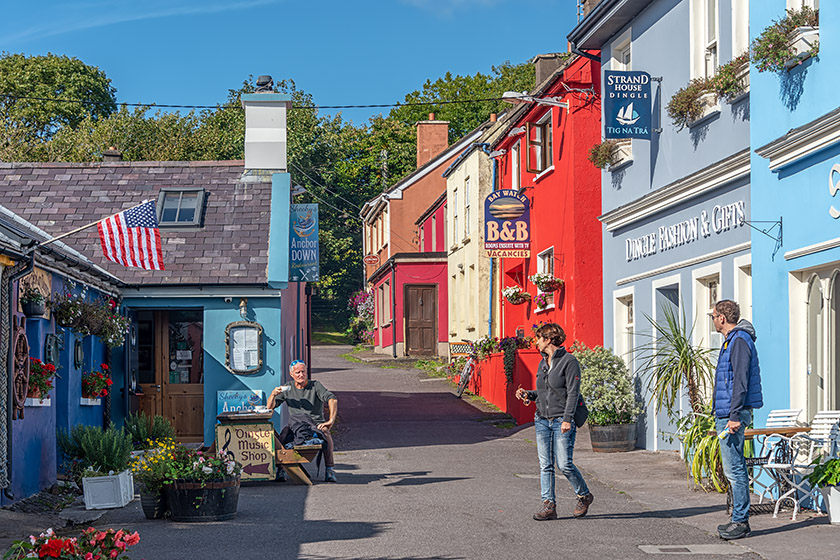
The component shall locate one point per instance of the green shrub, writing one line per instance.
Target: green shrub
(685, 106)
(606, 386)
(92, 447)
(604, 154)
(144, 431)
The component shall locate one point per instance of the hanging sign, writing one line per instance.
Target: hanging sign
(232, 401)
(627, 102)
(303, 243)
(507, 224)
(371, 260)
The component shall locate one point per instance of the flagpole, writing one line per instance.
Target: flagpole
(63, 235)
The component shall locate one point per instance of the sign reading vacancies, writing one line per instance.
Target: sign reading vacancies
(507, 224)
(251, 445)
(627, 102)
(303, 243)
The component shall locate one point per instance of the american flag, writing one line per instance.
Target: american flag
(132, 237)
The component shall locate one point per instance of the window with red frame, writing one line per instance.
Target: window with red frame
(539, 145)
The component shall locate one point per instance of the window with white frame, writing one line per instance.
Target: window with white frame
(624, 324)
(455, 217)
(539, 144)
(740, 27)
(423, 237)
(466, 207)
(621, 52)
(515, 175)
(707, 294)
(434, 233)
(384, 304)
(744, 295)
(386, 225)
(545, 265)
(797, 4)
(704, 38)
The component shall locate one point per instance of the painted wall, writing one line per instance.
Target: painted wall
(800, 195)
(434, 230)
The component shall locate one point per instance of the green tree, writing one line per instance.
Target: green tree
(45, 80)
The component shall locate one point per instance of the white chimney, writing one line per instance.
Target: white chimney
(265, 130)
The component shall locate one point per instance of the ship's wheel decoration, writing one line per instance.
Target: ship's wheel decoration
(20, 372)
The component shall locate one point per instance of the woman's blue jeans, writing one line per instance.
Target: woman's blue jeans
(553, 446)
(735, 466)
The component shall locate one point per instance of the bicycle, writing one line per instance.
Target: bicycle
(469, 366)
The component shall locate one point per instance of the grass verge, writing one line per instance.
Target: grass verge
(330, 338)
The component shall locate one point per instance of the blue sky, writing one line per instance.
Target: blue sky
(190, 52)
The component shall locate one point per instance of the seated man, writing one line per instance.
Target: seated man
(307, 396)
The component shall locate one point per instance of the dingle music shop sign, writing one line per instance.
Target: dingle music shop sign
(627, 104)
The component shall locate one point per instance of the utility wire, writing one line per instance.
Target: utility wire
(296, 166)
(167, 106)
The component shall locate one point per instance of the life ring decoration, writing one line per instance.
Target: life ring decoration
(20, 372)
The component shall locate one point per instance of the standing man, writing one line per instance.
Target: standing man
(308, 397)
(560, 411)
(737, 393)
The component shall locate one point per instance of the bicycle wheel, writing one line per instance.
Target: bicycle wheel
(466, 373)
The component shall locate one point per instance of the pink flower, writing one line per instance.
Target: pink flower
(89, 556)
(132, 539)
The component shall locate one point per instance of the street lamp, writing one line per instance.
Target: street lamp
(516, 97)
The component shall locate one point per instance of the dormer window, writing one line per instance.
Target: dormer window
(180, 207)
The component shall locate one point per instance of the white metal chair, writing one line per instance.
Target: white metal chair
(779, 418)
(791, 458)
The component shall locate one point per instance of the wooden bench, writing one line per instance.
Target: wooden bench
(292, 460)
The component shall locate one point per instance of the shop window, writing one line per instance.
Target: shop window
(539, 145)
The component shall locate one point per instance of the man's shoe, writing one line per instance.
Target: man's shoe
(548, 511)
(583, 504)
(734, 531)
(329, 475)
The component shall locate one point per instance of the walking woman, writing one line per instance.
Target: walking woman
(560, 411)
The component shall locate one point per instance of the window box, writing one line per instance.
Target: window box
(36, 401)
(803, 41)
(84, 401)
(743, 77)
(110, 491)
(711, 107)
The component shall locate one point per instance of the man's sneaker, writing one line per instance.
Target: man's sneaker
(548, 511)
(583, 504)
(329, 475)
(734, 531)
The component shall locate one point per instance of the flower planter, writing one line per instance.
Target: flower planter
(208, 501)
(551, 286)
(154, 505)
(34, 309)
(613, 438)
(111, 491)
(831, 497)
(802, 40)
(85, 401)
(37, 401)
(519, 299)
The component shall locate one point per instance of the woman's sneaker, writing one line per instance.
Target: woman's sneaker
(735, 531)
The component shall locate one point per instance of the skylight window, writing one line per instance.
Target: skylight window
(180, 207)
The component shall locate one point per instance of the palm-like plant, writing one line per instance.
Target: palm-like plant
(673, 362)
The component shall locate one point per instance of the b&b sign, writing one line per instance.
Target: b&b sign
(507, 224)
(627, 103)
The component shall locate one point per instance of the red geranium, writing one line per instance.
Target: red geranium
(95, 384)
(40, 378)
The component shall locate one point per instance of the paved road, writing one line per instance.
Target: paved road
(422, 475)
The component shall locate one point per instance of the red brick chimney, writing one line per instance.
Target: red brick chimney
(432, 139)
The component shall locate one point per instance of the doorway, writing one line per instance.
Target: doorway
(421, 320)
(170, 369)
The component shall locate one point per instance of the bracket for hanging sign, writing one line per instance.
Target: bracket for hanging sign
(659, 117)
(766, 231)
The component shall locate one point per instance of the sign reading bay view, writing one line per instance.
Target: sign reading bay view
(507, 224)
(722, 218)
(627, 104)
(303, 243)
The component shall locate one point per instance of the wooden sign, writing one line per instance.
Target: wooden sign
(250, 445)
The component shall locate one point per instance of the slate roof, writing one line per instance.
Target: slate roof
(230, 248)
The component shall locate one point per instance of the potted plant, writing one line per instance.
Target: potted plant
(201, 487)
(826, 477)
(787, 42)
(91, 543)
(150, 470)
(100, 458)
(95, 384)
(41, 377)
(32, 301)
(515, 295)
(732, 79)
(607, 388)
(604, 154)
(67, 308)
(113, 326)
(546, 282)
(541, 300)
(690, 102)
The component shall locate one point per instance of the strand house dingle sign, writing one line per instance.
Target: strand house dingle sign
(626, 105)
(507, 224)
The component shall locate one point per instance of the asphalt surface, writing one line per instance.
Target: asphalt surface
(425, 475)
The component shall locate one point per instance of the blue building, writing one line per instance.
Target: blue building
(221, 317)
(796, 171)
(675, 204)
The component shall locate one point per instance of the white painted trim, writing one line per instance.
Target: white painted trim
(802, 142)
(656, 284)
(686, 263)
(543, 173)
(194, 292)
(721, 173)
(811, 249)
(698, 289)
(738, 263)
(620, 44)
(618, 295)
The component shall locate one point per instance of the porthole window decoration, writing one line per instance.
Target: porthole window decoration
(243, 347)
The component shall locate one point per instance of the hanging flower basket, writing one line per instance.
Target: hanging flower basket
(546, 282)
(515, 295)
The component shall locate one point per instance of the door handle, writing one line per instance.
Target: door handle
(155, 387)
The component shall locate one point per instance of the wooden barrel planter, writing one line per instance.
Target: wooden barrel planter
(214, 500)
(613, 438)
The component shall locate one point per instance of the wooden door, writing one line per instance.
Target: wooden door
(421, 320)
(171, 369)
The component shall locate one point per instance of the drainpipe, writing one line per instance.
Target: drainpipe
(16, 274)
(393, 313)
(486, 149)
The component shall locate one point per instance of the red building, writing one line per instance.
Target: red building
(544, 155)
